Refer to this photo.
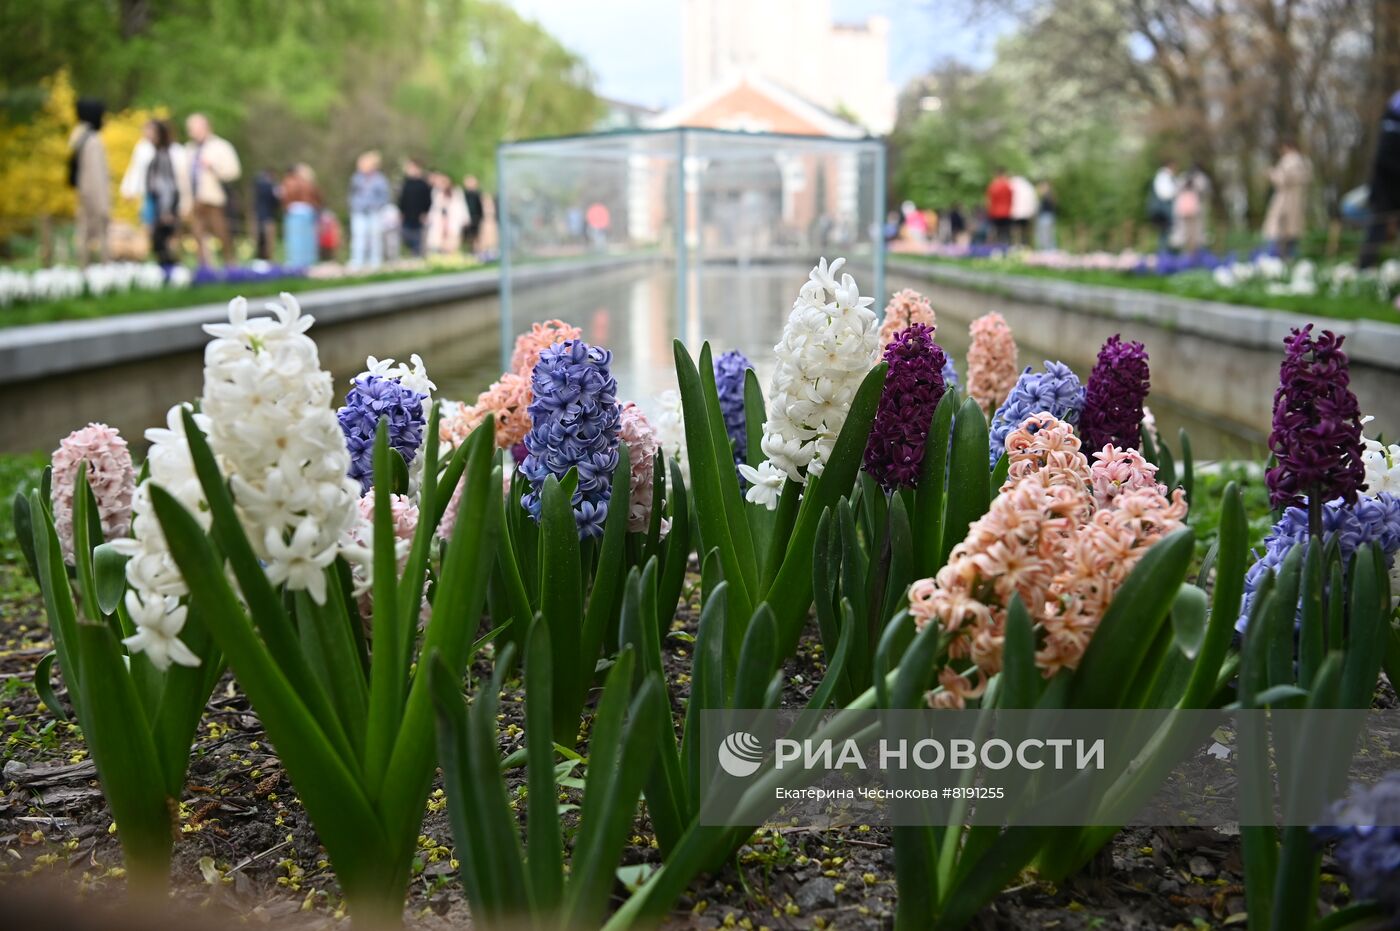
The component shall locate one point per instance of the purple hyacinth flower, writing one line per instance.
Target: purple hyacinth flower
(370, 398)
(1368, 520)
(1114, 395)
(729, 383)
(575, 421)
(1055, 390)
(1316, 436)
(1366, 829)
(913, 388)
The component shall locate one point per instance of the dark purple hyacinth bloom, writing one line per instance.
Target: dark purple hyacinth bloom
(1366, 828)
(1317, 424)
(913, 388)
(729, 383)
(574, 425)
(370, 398)
(1113, 397)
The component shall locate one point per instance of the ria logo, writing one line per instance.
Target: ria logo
(740, 754)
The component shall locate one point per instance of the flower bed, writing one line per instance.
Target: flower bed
(1319, 289)
(67, 293)
(377, 573)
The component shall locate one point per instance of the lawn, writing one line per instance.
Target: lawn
(1198, 285)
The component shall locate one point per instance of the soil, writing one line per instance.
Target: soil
(248, 851)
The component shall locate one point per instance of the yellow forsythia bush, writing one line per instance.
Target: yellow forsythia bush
(34, 160)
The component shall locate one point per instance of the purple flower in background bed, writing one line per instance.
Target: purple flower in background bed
(370, 398)
(242, 275)
(1317, 423)
(1370, 520)
(913, 388)
(1366, 828)
(575, 421)
(1113, 397)
(1055, 390)
(729, 381)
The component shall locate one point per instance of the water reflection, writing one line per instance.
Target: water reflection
(633, 312)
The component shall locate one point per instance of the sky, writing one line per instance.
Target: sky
(634, 46)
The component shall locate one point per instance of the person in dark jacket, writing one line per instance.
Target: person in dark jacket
(1385, 186)
(167, 187)
(415, 200)
(471, 192)
(267, 204)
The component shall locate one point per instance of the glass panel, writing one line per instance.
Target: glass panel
(698, 233)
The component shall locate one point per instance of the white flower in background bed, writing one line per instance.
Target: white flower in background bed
(62, 282)
(1300, 283)
(670, 429)
(279, 443)
(149, 277)
(154, 580)
(830, 342)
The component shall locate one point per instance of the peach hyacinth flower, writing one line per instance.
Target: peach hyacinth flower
(1062, 535)
(1044, 443)
(532, 342)
(991, 361)
(905, 308)
(509, 399)
(1105, 551)
(110, 474)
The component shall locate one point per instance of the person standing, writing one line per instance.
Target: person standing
(87, 173)
(167, 189)
(1161, 196)
(999, 196)
(1287, 215)
(915, 227)
(1189, 211)
(133, 186)
(415, 200)
(1025, 204)
(1045, 218)
(446, 216)
(1383, 199)
(369, 192)
(266, 206)
(213, 165)
(957, 225)
(471, 196)
(599, 219)
(301, 207)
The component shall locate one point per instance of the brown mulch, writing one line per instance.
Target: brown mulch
(247, 850)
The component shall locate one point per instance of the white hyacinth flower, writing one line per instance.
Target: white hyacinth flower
(829, 343)
(278, 441)
(154, 580)
(158, 625)
(414, 378)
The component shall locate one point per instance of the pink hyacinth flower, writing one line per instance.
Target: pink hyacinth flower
(110, 474)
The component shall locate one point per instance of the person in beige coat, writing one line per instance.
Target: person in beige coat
(213, 163)
(87, 172)
(1288, 207)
